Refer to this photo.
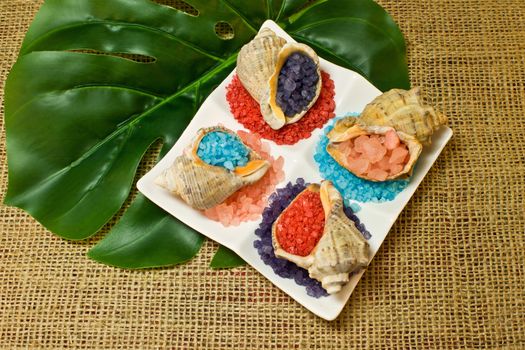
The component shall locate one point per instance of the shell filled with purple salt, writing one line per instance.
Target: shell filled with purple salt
(284, 78)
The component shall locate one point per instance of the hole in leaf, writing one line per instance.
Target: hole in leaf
(224, 30)
(180, 5)
(129, 56)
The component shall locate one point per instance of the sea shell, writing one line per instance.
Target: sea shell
(341, 249)
(347, 129)
(258, 66)
(257, 60)
(202, 185)
(405, 111)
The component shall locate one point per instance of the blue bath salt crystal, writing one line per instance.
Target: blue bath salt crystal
(351, 186)
(223, 149)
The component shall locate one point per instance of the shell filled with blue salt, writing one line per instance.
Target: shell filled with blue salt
(213, 167)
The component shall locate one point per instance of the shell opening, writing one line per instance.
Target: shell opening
(296, 84)
(297, 70)
(375, 156)
(374, 153)
(222, 149)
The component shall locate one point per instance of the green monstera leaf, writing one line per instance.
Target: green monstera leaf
(80, 112)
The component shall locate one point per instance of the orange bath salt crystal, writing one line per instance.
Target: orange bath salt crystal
(396, 168)
(398, 155)
(359, 165)
(391, 140)
(373, 149)
(359, 143)
(378, 174)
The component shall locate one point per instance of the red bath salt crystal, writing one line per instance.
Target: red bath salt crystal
(247, 112)
(248, 203)
(301, 225)
(391, 140)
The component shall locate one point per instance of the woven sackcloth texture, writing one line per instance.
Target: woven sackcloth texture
(449, 275)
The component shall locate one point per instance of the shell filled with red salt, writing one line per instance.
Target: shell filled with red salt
(375, 153)
(315, 233)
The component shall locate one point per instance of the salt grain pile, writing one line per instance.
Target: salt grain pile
(349, 185)
(247, 111)
(248, 203)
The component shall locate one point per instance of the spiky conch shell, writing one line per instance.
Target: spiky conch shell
(203, 186)
(341, 249)
(258, 66)
(405, 111)
(347, 129)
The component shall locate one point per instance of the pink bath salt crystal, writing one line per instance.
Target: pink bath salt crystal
(359, 166)
(384, 163)
(374, 150)
(236, 221)
(249, 202)
(279, 162)
(255, 209)
(359, 143)
(396, 169)
(265, 147)
(391, 140)
(377, 174)
(212, 213)
(398, 155)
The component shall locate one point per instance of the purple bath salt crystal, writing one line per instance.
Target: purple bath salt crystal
(296, 84)
(296, 68)
(279, 200)
(289, 85)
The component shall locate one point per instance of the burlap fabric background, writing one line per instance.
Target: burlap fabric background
(450, 274)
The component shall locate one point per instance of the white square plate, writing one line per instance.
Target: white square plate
(353, 92)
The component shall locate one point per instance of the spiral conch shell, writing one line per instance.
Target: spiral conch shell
(202, 185)
(259, 64)
(347, 129)
(405, 111)
(341, 249)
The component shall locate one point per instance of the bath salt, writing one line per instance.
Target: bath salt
(278, 202)
(301, 225)
(352, 187)
(246, 111)
(222, 149)
(247, 204)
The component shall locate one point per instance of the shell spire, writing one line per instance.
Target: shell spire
(405, 111)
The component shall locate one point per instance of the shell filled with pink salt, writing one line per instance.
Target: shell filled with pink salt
(374, 153)
(248, 203)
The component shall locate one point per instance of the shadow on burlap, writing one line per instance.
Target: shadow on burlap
(450, 274)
